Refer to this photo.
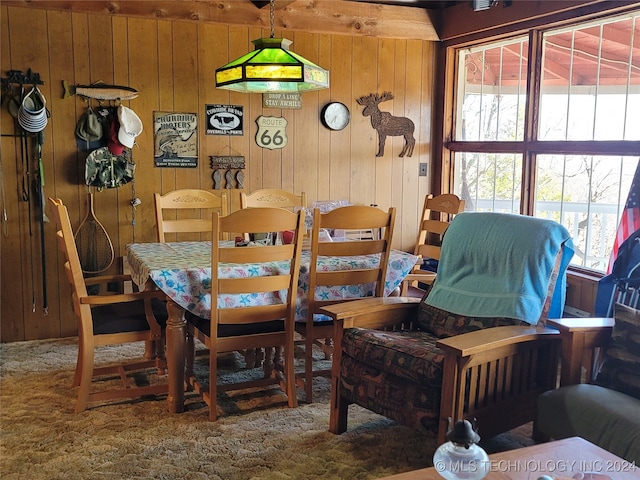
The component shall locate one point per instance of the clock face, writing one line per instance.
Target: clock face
(335, 116)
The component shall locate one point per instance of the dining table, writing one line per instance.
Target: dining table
(182, 270)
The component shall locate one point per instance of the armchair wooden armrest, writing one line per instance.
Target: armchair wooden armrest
(121, 297)
(107, 279)
(487, 339)
(496, 375)
(581, 340)
(375, 312)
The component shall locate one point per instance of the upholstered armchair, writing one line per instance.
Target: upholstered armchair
(476, 346)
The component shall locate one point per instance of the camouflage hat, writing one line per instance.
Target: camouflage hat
(105, 170)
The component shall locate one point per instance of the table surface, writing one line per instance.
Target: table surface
(182, 270)
(558, 459)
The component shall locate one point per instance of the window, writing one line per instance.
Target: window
(575, 164)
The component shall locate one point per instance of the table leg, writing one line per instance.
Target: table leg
(175, 333)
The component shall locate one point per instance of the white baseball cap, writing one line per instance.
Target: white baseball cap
(130, 126)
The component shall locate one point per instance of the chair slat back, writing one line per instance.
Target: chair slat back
(446, 205)
(188, 211)
(282, 281)
(354, 217)
(67, 245)
(272, 197)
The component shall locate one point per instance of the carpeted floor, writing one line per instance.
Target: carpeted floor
(257, 437)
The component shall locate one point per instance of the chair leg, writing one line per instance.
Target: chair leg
(290, 376)
(190, 353)
(213, 386)
(77, 376)
(308, 368)
(85, 369)
(149, 349)
(338, 412)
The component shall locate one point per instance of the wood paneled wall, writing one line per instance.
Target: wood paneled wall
(171, 64)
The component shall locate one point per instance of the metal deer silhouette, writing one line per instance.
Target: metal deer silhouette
(387, 124)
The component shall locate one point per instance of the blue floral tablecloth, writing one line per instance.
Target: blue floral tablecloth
(182, 270)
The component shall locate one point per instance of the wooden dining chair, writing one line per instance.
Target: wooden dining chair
(108, 319)
(318, 329)
(272, 197)
(188, 211)
(235, 323)
(429, 239)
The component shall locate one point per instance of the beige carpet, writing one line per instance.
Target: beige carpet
(257, 437)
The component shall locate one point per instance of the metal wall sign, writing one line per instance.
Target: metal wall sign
(175, 139)
(224, 119)
(272, 132)
(282, 100)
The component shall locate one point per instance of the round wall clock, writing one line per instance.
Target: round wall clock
(335, 116)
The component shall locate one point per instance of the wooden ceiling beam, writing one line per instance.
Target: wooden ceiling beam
(341, 17)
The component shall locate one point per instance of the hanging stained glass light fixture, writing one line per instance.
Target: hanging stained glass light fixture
(272, 67)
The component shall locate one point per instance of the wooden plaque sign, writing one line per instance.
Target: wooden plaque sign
(282, 100)
(228, 168)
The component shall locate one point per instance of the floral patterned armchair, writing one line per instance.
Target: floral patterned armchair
(420, 364)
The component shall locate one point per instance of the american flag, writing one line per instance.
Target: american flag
(630, 220)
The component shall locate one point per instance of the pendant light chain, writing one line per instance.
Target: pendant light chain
(272, 18)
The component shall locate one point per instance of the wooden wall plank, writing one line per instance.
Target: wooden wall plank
(384, 166)
(304, 125)
(406, 193)
(364, 145)
(185, 88)
(14, 282)
(36, 322)
(143, 74)
(121, 196)
(331, 184)
(165, 178)
(61, 177)
(314, 179)
(102, 61)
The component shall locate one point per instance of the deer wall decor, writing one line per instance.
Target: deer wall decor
(387, 124)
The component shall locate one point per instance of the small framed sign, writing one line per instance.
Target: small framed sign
(224, 119)
(175, 138)
(282, 100)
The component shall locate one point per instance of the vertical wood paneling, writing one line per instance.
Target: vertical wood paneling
(332, 184)
(164, 103)
(35, 55)
(406, 191)
(384, 166)
(304, 125)
(14, 280)
(102, 63)
(60, 175)
(314, 178)
(185, 88)
(364, 143)
(142, 66)
(172, 64)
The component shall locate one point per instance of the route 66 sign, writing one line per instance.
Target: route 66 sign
(272, 132)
